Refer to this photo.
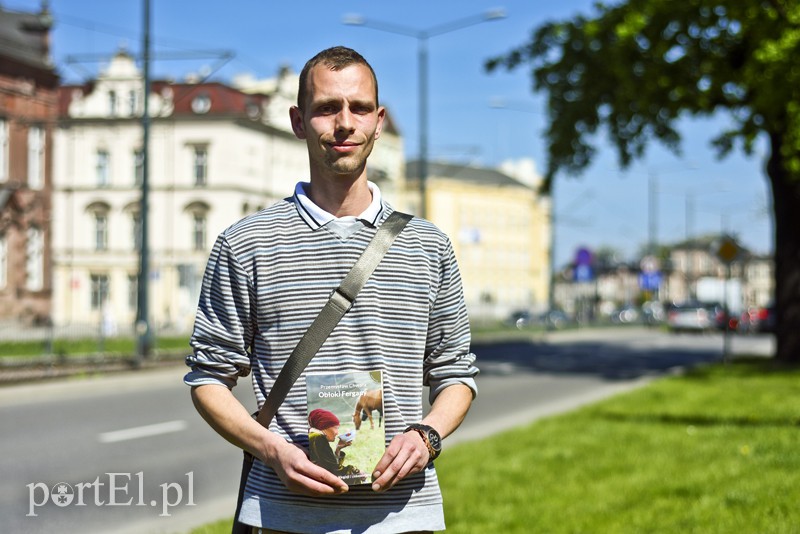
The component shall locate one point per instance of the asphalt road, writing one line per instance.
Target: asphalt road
(135, 456)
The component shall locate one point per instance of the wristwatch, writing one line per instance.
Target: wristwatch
(430, 436)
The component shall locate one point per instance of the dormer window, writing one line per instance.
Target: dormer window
(201, 103)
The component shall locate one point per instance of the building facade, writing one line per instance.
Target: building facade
(500, 229)
(695, 262)
(215, 155)
(28, 97)
(690, 271)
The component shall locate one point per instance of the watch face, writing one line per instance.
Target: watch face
(434, 440)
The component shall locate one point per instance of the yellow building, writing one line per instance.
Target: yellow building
(500, 229)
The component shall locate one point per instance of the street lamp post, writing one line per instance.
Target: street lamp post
(422, 37)
(143, 313)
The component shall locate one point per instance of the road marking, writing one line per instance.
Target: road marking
(142, 431)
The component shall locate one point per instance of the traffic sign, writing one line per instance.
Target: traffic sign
(727, 249)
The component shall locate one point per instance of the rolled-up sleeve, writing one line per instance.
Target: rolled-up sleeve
(223, 328)
(448, 359)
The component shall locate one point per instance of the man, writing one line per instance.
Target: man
(270, 274)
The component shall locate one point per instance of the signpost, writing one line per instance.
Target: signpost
(727, 250)
(650, 277)
(583, 266)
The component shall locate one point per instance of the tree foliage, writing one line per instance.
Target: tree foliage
(636, 67)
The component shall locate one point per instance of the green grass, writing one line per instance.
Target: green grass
(715, 451)
(68, 347)
(367, 449)
(223, 526)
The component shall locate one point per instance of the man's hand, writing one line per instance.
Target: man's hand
(217, 405)
(301, 475)
(406, 454)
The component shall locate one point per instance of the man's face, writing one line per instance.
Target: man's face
(340, 120)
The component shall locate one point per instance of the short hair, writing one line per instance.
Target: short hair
(335, 58)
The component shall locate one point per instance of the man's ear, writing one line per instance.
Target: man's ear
(381, 116)
(296, 116)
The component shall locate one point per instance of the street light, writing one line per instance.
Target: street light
(422, 37)
(143, 333)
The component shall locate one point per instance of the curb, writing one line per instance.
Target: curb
(15, 370)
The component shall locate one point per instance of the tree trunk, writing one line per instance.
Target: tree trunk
(786, 205)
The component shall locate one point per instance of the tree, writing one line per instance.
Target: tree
(635, 69)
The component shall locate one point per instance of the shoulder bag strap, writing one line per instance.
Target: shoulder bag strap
(340, 301)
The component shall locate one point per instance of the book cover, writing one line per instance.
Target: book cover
(345, 423)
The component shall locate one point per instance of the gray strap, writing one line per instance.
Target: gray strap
(340, 301)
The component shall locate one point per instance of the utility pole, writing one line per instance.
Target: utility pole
(144, 335)
(652, 209)
(142, 328)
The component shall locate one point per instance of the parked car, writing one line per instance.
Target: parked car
(625, 315)
(520, 319)
(695, 317)
(556, 319)
(653, 313)
(767, 320)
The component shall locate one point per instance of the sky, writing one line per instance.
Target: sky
(695, 193)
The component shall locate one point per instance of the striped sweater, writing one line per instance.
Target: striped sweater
(267, 278)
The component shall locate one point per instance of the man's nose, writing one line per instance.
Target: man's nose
(344, 120)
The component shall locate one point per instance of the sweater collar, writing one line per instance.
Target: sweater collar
(316, 217)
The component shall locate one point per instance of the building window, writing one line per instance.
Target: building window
(199, 230)
(133, 291)
(200, 165)
(138, 167)
(102, 168)
(3, 261)
(35, 157)
(3, 150)
(136, 221)
(186, 275)
(100, 231)
(132, 102)
(112, 103)
(34, 267)
(99, 290)
(201, 104)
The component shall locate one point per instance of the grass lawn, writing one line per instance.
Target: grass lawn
(112, 347)
(715, 451)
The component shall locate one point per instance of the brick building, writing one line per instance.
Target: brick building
(28, 102)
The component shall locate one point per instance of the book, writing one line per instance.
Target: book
(345, 419)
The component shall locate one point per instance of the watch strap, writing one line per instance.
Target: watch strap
(423, 431)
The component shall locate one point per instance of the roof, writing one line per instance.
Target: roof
(464, 173)
(224, 100)
(24, 38)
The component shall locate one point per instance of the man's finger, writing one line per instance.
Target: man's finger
(402, 458)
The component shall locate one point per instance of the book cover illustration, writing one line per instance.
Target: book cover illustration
(345, 423)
